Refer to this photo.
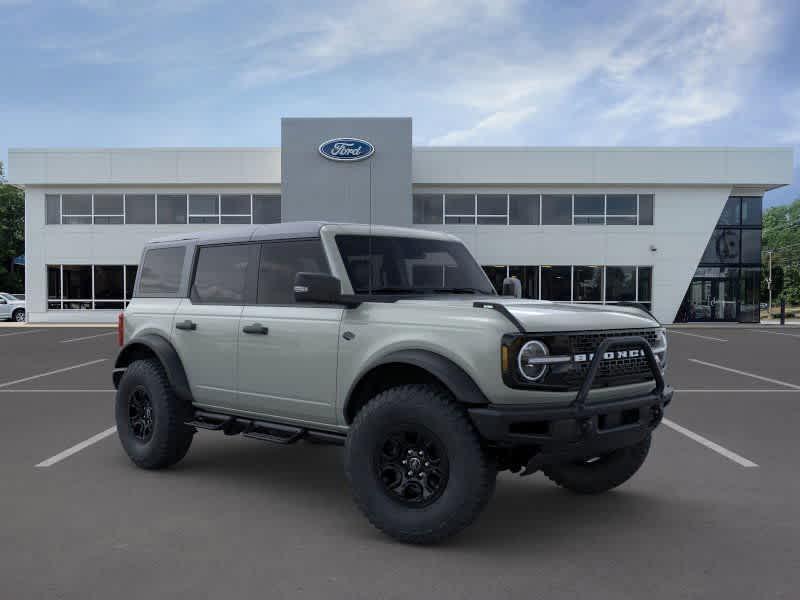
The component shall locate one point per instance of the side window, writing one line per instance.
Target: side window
(281, 261)
(161, 271)
(220, 275)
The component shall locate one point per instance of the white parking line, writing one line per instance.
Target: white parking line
(795, 335)
(87, 337)
(77, 447)
(24, 379)
(745, 373)
(22, 332)
(739, 460)
(697, 335)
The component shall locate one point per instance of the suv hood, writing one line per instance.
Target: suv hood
(541, 315)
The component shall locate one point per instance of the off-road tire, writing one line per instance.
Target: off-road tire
(605, 473)
(471, 477)
(18, 315)
(170, 438)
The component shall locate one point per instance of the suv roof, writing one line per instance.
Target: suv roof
(295, 229)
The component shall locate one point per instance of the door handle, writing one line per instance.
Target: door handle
(256, 328)
(186, 325)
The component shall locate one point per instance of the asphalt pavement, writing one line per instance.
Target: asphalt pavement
(712, 514)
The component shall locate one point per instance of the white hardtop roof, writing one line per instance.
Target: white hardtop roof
(296, 229)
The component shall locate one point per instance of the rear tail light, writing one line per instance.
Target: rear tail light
(121, 329)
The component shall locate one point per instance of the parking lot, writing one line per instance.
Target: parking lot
(713, 513)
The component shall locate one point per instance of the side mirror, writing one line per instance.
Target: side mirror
(319, 288)
(512, 287)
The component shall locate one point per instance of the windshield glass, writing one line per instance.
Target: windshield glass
(398, 265)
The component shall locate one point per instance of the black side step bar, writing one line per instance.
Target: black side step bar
(268, 431)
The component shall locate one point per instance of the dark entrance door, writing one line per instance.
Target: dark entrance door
(711, 300)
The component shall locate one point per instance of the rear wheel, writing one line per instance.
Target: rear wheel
(150, 417)
(600, 473)
(416, 466)
(19, 315)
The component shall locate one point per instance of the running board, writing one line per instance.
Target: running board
(268, 431)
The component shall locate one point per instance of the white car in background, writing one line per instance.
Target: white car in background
(12, 308)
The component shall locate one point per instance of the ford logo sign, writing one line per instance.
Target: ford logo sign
(346, 149)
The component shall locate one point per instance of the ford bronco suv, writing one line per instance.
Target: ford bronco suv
(393, 343)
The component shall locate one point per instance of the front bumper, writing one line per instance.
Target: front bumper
(578, 430)
(566, 430)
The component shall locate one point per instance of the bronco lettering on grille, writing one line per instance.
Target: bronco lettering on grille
(614, 355)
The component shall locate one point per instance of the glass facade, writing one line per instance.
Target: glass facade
(725, 286)
(595, 284)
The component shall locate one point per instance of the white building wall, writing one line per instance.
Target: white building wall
(684, 218)
(95, 244)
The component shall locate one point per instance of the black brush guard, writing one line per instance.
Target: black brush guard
(578, 430)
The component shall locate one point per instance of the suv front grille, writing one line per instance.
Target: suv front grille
(619, 371)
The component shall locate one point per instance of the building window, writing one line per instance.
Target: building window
(644, 285)
(723, 247)
(171, 209)
(528, 276)
(140, 209)
(620, 284)
(556, 283)
(53, 209)
(523, 209)
(428, 209)
(557, 209)
(587, 284)
(459, 209)
(266, 208)
(235, 209)
(203, 208)
(579, 283)
(646, 209)
(589, 209)
(492, 209)
(621, 209)
(751, 211)
(88, 287)
(76, 209)
(109, 209)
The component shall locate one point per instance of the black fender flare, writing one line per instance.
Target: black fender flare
(166, 354)
(452, 376)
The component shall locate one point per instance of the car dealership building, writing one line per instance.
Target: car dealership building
(677, 229)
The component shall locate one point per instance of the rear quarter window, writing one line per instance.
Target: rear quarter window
(161, 271)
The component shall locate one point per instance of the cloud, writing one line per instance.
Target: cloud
(299, 46)
(496, 122)
(682, 65)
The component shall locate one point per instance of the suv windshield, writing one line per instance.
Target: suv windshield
(400, 265)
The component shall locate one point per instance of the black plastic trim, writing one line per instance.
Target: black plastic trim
(453, 377)
(166, 354)
(503, 310)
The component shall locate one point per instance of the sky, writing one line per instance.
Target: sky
(108, 73)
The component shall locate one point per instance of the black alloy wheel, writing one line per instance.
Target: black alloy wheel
(412, 465)
(140, 414)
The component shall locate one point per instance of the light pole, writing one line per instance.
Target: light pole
(769, 286)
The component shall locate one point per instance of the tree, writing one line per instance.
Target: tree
(12, 234)
(781, 235)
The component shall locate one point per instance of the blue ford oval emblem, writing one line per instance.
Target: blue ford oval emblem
(346, 149)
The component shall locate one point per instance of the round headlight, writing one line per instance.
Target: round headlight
(531, 366)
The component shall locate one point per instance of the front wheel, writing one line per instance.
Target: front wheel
(601, 473)
(416, 466)
(150, 417)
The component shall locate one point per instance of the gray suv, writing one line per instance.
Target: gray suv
(393, 343)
